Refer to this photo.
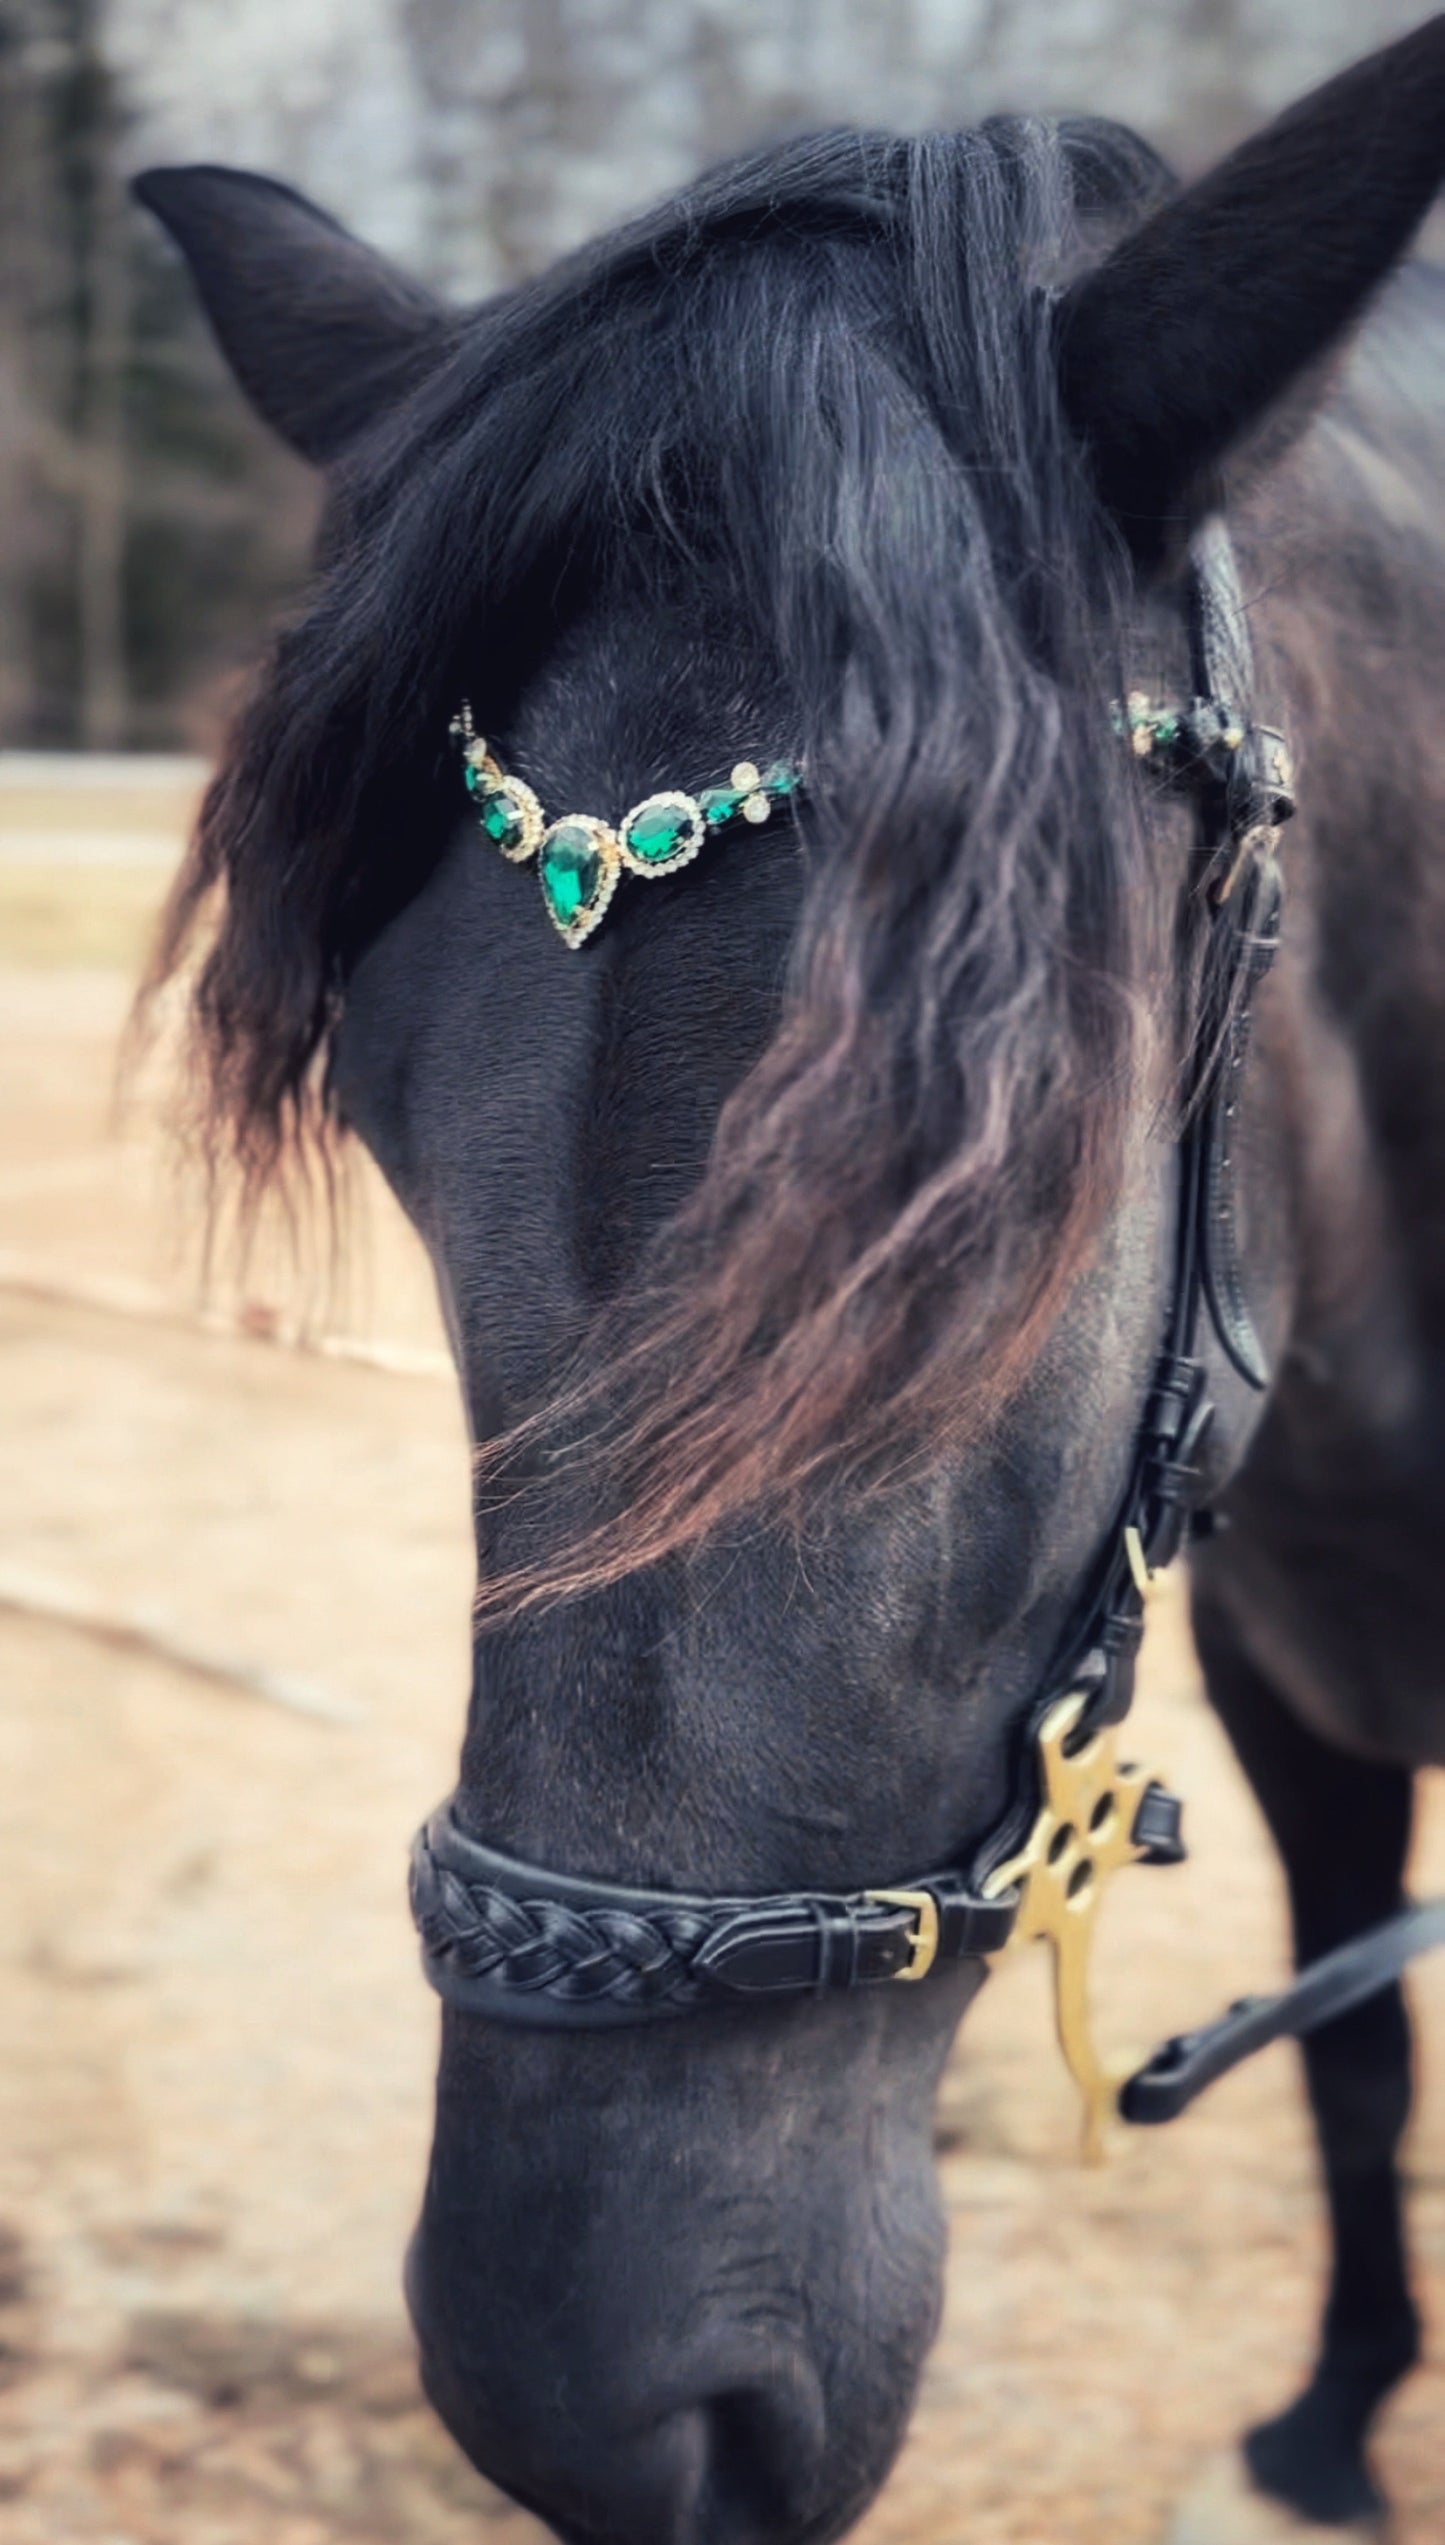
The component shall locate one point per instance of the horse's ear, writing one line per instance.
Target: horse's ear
(1176, 348)
(322, 333)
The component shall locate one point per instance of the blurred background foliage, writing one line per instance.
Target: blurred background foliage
(148, 528)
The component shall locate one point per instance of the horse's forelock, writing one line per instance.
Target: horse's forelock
(826, 373)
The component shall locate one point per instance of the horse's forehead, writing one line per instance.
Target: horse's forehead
(658, 678)
(540, 1110)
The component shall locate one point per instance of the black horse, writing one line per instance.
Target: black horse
(805, 1236)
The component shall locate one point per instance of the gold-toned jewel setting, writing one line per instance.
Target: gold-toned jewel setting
(579, 877)
(575, 924)
(1083, 1832)
(516, 793)
(690, 839)
(1198, 729)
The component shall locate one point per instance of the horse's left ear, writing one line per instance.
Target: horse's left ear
(1176, 348)
(321, 332)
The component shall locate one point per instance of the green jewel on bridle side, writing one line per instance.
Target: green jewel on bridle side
(579, 858)
(1173, 735)
(1205, 743)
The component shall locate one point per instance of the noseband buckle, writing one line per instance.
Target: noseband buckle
(923, 1951)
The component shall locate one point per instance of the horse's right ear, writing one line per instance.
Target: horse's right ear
(1176, 348)
(321, 332)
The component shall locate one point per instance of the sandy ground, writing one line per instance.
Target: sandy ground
(212, 2132)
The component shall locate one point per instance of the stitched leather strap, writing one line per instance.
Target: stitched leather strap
(518, 1941)
(1258, 941)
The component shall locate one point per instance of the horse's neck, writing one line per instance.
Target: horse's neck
(1345, 556)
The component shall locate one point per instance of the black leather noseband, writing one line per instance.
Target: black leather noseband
(526, 1945)
(508, 1939)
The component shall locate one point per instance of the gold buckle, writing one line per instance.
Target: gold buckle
(924, 1940)
(1139, 1564)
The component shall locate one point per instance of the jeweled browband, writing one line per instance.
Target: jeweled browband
(579, 858)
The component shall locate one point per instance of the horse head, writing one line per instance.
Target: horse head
(806, 1235)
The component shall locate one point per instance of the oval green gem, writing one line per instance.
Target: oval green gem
(656, 831)
(571, 871)
(500, 816)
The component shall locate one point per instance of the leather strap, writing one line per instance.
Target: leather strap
(1182, 2068)
(505, 1938)
(1259, 933)
(1158, 1830)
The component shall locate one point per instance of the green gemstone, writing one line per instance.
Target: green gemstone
(476, 778)
(780, 779)
(719, 804)
(501, 818)
(657, 831)
(571, 871)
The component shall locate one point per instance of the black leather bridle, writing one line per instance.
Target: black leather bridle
(526, 1945)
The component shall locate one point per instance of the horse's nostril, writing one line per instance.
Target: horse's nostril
(764, 2444)
(724, 2441)
(736, 2468)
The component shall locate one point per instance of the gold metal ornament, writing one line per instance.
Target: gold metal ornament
(1084, 1831)
(923, 1948)
(671, 826)
(525, 822)
(578, 863)
(579, 858)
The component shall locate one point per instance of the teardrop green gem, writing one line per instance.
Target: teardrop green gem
(719, 805)
(655, 832)
(571, 871)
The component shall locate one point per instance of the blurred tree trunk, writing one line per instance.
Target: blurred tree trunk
(64, 326)
(19, 154)
(103, 260)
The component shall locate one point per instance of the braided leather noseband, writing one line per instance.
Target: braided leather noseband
(526, 1945)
